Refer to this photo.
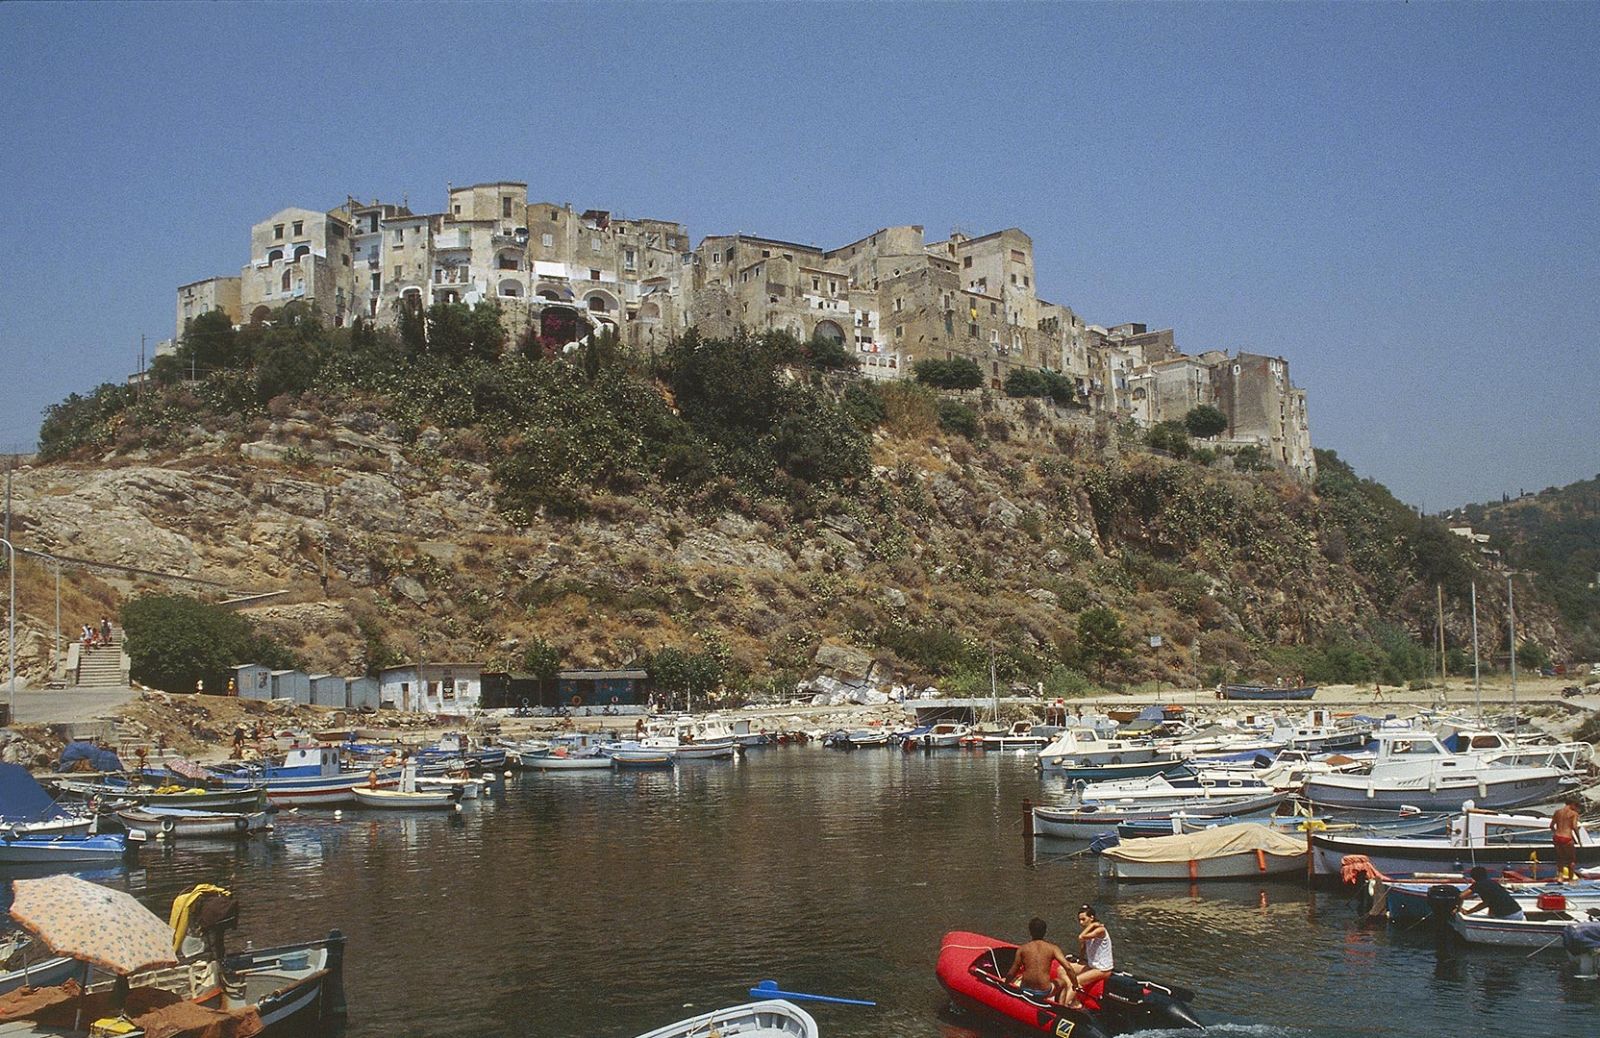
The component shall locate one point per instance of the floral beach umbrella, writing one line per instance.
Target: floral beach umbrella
(91, 923)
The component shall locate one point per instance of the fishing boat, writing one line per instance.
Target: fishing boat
(1415, 768)
(1409, 900)
(1475, 837)
(1247, 850)
(1264, 693)
(592, 758)
(1080, 748)
(176, 822)
(1536, 930)
(123, 793)
(633, 755)
(67, 850)
(1020, 736)
(407, 797)
(773, 1018)
(28, 809)
(1317, 733)
(456, 750)
(468, 788)
(1089, 819)
(973, 968)
(943, 735)
(310, 776)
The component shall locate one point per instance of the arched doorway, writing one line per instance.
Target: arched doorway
(828, 330)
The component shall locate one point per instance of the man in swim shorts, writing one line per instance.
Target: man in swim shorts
(1034, 969)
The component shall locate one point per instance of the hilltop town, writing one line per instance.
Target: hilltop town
(894, 297)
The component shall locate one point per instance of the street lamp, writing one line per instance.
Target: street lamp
(11, 629)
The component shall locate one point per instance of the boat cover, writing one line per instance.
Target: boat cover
(22, 799)
(86, 756)
(1581, 937)
(1243, 838)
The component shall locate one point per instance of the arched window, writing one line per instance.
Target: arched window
(274, 256)
(286, 279)
(260, 314)
(302, 250)
(550, 294)
(650, 312)
(511, 288)
(599, 303)
(830, 331)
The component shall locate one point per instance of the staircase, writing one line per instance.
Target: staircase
(102, 666)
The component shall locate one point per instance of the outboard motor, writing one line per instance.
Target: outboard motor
(1144, 1004)
(1443, 900)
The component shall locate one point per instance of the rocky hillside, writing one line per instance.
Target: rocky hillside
(745, 502)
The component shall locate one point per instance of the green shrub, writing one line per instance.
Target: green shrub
(955, 373)
(1205, 422)
(175, 641)
(1169, 436)
(958, 418)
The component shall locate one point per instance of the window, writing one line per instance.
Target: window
(372, 223)
(286, 279)
(456, 209)
(594, 275)
(1018, 256)
(594, 244)
(966, 261)
(1025, 283)
(277, 231)
(899, 331)
(993, 309)
(949, 324)
(344, 258)
(337, 230)
(816, 284)
(399, 272)
(972, 330)
(554, 215)
(505, 208)
(299, 228)
(377, 281)
(1013, 279)
(628, 260)
(301, 250)
(399, 235)
(898, 304)
(833, 288)
(766, 253)
(274, 256)
(547, 240)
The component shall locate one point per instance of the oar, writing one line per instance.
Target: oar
(769, 989)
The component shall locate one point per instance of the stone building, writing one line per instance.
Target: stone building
(206, 295)
(299, 255)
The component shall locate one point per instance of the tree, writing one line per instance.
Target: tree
(1101, 639)
(956, 373)
(827, 354)
(1169, 436)
(1026, 382)
(541, 660)
(685, 676)
(1205, 421)
(175, 641)
(958, 418)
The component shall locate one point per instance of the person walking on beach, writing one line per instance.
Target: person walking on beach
(1094, 943)
(1040, 968)
(1564, 834)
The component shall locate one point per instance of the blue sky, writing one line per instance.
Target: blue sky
(1403, 200)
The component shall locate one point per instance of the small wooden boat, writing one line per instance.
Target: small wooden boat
(174, 822)
(1091, 819)
(774, 1018)
(560, 760)
(471, 788)
(1247, 850)
(402, 800)
(1266, 692)
(67, 850)
(641, 757)
(24, 962)
(972, 969)
(310, 776)
(1537, 930)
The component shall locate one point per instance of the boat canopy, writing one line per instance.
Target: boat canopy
(1242, 838)
(22, 799)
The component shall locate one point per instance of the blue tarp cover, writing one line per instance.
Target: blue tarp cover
(22, 799)
(1581, 937)
(99, 760)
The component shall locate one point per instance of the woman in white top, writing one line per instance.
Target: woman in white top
(1094, 943)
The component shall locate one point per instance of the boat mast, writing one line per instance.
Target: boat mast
(1477, 677)
(1511, 622)
(994, 690)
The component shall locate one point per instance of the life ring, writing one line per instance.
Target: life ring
(1117, 759)
(168, 825)
(614, 700)
(524, 702)
(577, 700)
(240, 824)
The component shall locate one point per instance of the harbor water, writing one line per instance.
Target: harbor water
(606, 904)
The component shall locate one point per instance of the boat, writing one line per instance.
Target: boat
(1317, 733)
(1266, 692)
(1247, 850)
(173, 822)
(944, 735)
(592, 758)
(773, 1018)
(456, 750)
(1409, 900)
(1173, 790)
(1537, 930)
(1475, 837)
(310, 776)
(1086, 820)
(469, 788)
(25, 963)
(1080, 748)
(408, 797)
(125, 793)
(972, 969)
(27, 809)
(1415, 769)
(1020, 736)
(67, 850)
(632, 755)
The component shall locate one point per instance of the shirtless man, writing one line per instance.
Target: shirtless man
(1034, 969)
(1564, 833)
(1094, 945)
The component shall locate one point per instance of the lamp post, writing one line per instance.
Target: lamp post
(11, 630)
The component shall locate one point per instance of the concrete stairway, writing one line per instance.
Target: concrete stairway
(102, 666)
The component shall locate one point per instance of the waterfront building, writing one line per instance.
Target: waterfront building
(432, 688)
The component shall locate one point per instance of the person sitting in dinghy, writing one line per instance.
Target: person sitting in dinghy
(1088, 978)
(1491, 895)
(1040, 968)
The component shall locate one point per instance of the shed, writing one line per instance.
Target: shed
(602, 687)
(252, 681)
(361, 693)
(327, 690)
(291, 684)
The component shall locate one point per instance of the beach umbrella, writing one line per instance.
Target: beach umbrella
(91, 923)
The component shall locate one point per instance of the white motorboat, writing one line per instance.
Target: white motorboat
(1415, 769)
(1317, 733)
(1020, 736)
(1174, 790)
(945, 735)
(1245, 850)
(1086, 821)
(415, 800)
(1083, 747)
(1475, 837)
(1536, 930)
(774, 1018)
(591, 759)
(471, 788)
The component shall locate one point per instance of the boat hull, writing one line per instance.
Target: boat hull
(1247, 865)
(1266, 693)
(192, 825)
(774, 1018)
(316, 792)
(1401, 855)
(395, 800)
(1491, 795)
(1538, 930)
(552, 763)
(65, 850)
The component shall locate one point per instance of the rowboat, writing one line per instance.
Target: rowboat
(247, 798)
(1417, 898)
(586, 760)
(1536, 930)
(1247, 850)
(774, 1018)
(172, 822)
(640, 757)
(66, 850)
(973, 968)
(1091, 819)
(1266, 692)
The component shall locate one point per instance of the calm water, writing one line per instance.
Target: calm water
(605, 905)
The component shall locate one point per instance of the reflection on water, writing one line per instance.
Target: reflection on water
(601, 904)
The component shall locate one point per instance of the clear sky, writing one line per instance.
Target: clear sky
(1403, 200)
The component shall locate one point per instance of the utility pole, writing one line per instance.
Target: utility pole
(11, 628)
(11, 463)
(56, 659)
(1439, 589)
(1477, 682)
(1511, 621)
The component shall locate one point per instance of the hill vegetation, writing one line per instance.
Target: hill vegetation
(724, 509)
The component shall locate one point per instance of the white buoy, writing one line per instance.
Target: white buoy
(508, 774)
(458, 808)
(338, 815)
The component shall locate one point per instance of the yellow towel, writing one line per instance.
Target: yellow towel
(182, 905)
